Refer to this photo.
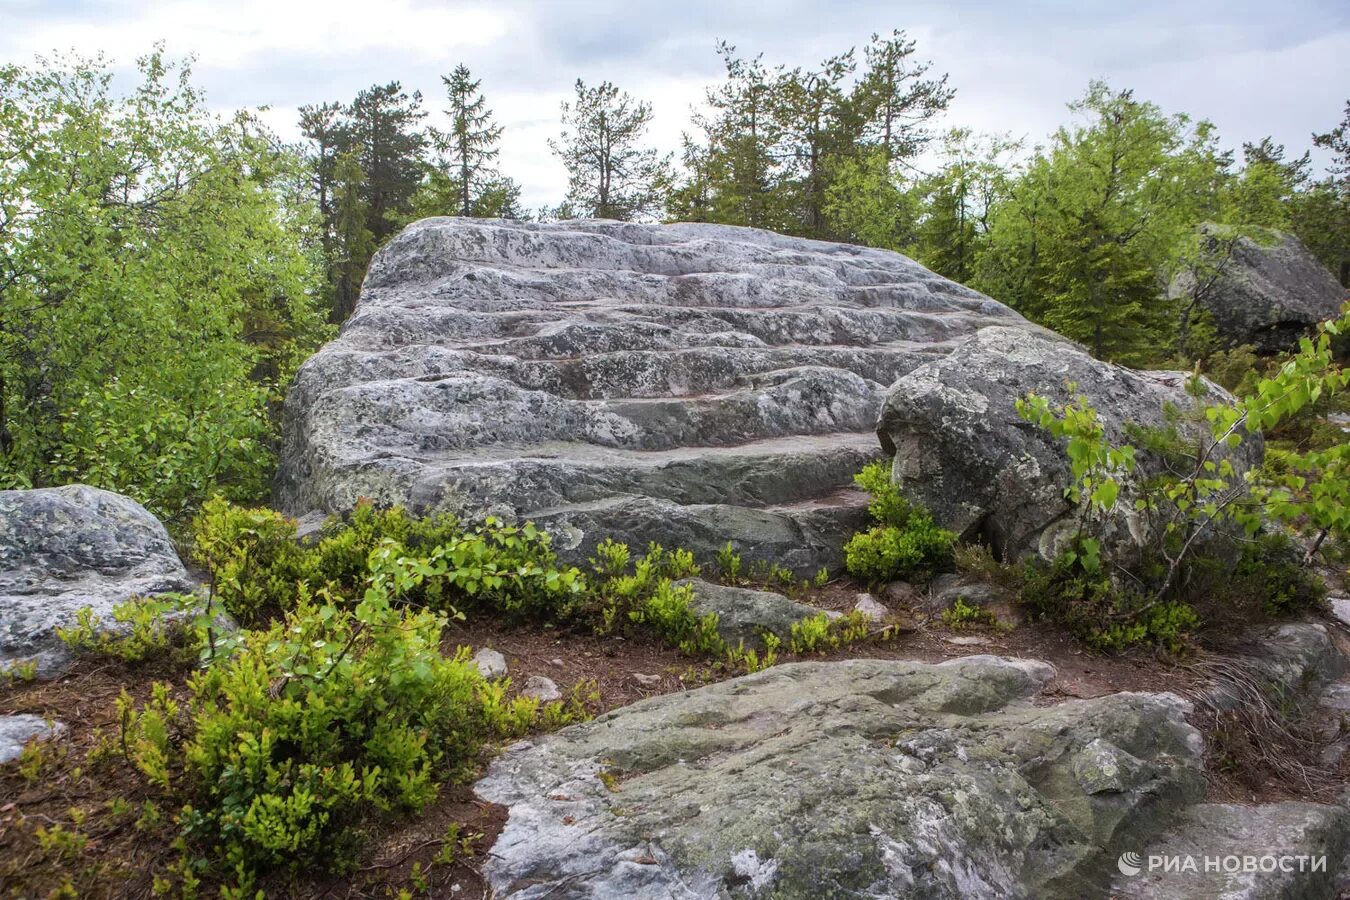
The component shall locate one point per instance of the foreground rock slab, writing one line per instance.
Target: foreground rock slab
(859, 778)
(961, 448)
(686, 383)
(65, 548)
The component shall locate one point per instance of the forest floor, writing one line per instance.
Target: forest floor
(115, 843)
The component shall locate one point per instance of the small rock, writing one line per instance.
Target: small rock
(900, 593)
(967, 640)
(744, 614)
(15, 731)
(542, 689)
(556, 662)
(490, 663)
(869, 607)
(646, 680)
(1340, 609)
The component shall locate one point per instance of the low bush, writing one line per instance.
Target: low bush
(330, 718)
(1271, 571)
(252, 558)
(256, 565)
(1077, 594)
(166, 627)
(904, 541)
(961, 615)
(916, 551)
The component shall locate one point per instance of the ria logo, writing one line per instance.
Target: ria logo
(1130, 863)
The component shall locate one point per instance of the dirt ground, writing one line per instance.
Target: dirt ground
(120, 857)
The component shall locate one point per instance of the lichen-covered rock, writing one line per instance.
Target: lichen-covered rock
(65, 548)
(686, 383)
(859, 778)
(1273, 851)
(961, 448)
(744, 614)
(1267, 293)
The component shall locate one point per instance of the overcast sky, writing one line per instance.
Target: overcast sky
(1254, 68)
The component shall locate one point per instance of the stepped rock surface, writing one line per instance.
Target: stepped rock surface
(1267, 293)
(859, 778)
(65, 548)
(961, 448)
(687, 383)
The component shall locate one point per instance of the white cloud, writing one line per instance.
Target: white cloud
(243, 33)
(1251, 67)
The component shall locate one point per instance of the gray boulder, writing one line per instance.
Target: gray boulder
(65, 548)
(684, 383)
(1267, 293)
(961, 448)
(744, 614)
(859, 778)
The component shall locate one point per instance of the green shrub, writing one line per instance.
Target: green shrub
(323, 721)
(1271, 571)
(257, 566)
(668, 611)
(346, 541)
(252, 557)
(904, 542)
(729, 564)
(887, 552)
(151, 627)
(887, 507)
(820, 633)
(1076, 593)
(962, 615)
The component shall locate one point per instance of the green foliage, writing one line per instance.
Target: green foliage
(1083, 599)
(729, 564)
(885, 553)
(887, 506)
(610, 174)
(646, 594)
(821, 633)
(144, 628)
(156, 292)
(905, 543)
(321, 722)
(962, 615)
(1270, 570)
(258, 568)
(252, 557)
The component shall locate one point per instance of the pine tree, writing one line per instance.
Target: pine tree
(740, 162)
(819, 128)
(610, 175)
(895, 99)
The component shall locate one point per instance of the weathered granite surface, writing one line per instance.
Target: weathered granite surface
(688, 383)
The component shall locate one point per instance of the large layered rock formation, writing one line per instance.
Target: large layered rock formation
(1266, 293)
(688, 383)
(62, 549)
